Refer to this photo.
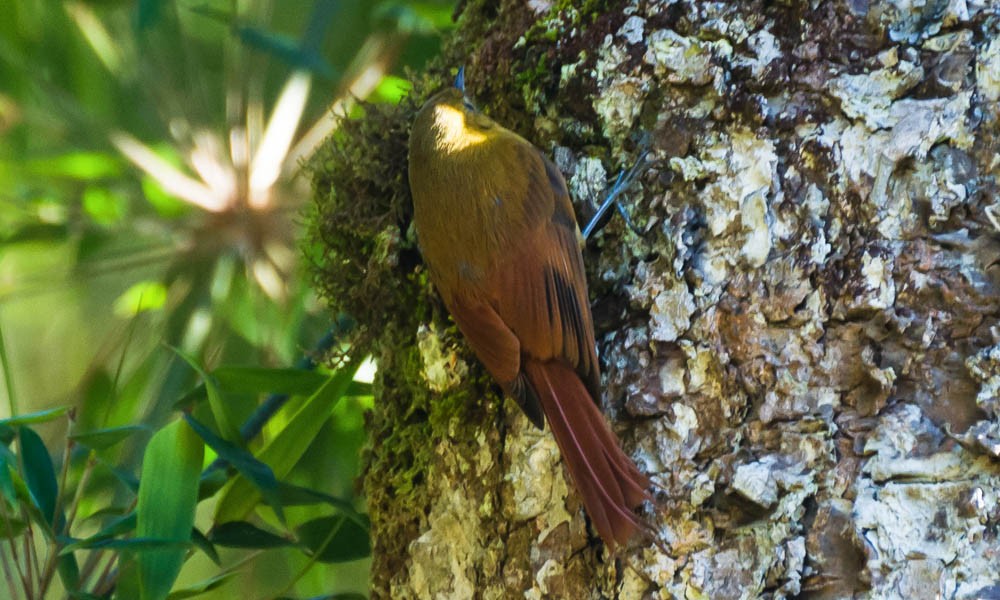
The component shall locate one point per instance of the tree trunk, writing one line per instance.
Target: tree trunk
(799, 341)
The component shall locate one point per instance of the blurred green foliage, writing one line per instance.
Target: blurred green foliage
(152, 298)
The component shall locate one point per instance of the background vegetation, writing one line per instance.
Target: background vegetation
(153, 295)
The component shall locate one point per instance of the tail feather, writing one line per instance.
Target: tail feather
(608, 481)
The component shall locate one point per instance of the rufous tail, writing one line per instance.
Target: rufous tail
(608, 481)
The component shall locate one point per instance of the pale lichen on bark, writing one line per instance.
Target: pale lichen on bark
(801, 344)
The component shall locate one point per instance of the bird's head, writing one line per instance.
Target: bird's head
(452, 121)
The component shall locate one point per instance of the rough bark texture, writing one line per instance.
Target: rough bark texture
(801, 346)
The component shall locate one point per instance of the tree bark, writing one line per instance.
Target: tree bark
(799, 342)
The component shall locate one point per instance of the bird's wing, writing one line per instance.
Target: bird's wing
(540, 289)
(533, 302)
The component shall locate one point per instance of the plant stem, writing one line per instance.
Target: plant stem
(7, 572)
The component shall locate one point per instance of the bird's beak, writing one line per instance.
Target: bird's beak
(460, 79)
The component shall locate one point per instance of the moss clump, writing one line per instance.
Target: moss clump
(363, 262)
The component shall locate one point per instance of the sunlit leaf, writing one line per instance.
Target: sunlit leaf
(103, 205)
(142, 296)
(392, 89)
(86, 166)
(334, 539)
(168, 493)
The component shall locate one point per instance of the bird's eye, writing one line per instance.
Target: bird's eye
(468, 105)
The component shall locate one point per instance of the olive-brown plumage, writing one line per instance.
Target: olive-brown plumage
(497, 231)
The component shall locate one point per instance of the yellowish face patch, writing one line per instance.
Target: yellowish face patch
(452, 133)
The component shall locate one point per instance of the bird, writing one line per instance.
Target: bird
(499, 236)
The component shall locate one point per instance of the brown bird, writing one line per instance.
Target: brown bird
(498, 233)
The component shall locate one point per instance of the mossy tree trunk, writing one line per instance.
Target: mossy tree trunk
(800, 343)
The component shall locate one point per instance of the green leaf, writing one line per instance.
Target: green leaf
(86, 166)
(392, 89)
(6, 483)
(11, 528)
(221, 409)
(69, 572)
(7, 434)
(259, 380)
(211, 482)
(42, 416)
(118, 527)
(294, 495)
(147, 547)
(240, 534)
(103, 205)
(334, 539)
(205, 545)
(168, 494)
(253, 380)
(100, 439)
(39, 475)
(202, 587)
(129, 480)
(107, 511)
(287, 447)
(258, 473)
(222, 16)
(142, 296)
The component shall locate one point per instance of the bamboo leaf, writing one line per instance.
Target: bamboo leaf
(221, 410)
(334, 539)
(42, 416)
(282, 452)
(39, 475)
(258, 473)
(100, 439)
(202, 587)
(240, 534)
(168, 494)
